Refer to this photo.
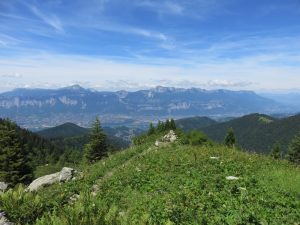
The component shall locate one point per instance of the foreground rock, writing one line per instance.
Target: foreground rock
(64, 175)
(4, 220)
(168, 138)
(232, 178)
(3, 186)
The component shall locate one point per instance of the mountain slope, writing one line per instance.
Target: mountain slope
(194, 123)
(39, 150)
(76, 136)
(257, 132)
(37, 108)
(63, 131)
(173, 184)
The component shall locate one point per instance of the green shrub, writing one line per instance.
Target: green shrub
(22, 207)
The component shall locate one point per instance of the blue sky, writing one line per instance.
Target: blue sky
(135, 44)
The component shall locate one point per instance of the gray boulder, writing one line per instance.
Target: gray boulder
(43, 181)
(3, 186)
(66, 174)
(170, 137)
(4, 220)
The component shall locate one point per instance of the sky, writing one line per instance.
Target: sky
(138, 44)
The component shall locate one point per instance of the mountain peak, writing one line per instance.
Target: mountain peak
(75, 87)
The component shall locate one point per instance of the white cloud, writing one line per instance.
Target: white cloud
(51, 20)
(62, 70)
(12, 76)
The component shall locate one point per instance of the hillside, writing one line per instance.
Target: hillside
(65, 130)
(75, 135)
(257, 132)
(39, 150)
(194, 123)
(172, 184)
(35, 108)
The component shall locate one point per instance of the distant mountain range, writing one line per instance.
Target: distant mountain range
(254, 132)
(37, 108)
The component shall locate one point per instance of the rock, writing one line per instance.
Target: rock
(74, 198)
(232, 178)
(66, 174)
(4, 220)
(3, 186)
(157, 143)
(95, 189)
(43, 181)
(170, 137)
(214, 157)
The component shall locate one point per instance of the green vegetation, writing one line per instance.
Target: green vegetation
(264, 119)
(39, 151)
(63, 131)
(276, 151)
(14, 163)
(195, 137)
(257, 136)
(294, 150)
(230, 140)
(97, 147)
(194, 123)
(154, 133)
(178, 183)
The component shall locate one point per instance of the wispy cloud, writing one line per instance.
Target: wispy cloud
(162, 7)
(51, 20)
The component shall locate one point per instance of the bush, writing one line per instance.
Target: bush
(195, 137)
(21, 207)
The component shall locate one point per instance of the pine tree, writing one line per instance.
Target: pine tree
(294, 150)
(172, 124)
(160, 126)
(276, 151)
(167, 125)
(151, 129)
(230, 138)
(97, 146)
(14, 164)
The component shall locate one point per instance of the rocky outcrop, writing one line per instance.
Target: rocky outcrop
(168, 138)
(3, 186)
(64, 175)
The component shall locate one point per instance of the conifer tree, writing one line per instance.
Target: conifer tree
(294, 150)
(151, 129)
(160, 126)
(14, 164)
(276, 151)
(172, 124)
(97, 146)
(167, 125)
(230, 138)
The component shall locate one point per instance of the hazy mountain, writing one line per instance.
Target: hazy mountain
(257, 132)
(289, 99)
(40, 107)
